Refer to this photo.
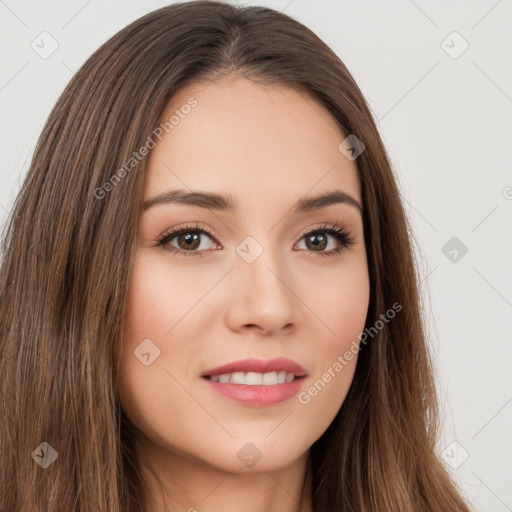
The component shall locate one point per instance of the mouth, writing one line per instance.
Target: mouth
(257, 382)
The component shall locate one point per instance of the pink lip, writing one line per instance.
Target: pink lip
(279, 364)
(257, 395)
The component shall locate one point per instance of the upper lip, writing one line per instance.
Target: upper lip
(279, 364)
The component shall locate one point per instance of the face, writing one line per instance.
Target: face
(264, 280)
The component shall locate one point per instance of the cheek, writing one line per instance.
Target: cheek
(160, 296)
(158, 300)
(339, 299)
(341, 305)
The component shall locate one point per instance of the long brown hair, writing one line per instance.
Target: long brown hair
(67, 256)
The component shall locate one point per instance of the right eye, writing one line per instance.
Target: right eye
(188, 240)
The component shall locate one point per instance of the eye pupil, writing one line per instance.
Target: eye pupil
(321, 245)
(188, 237)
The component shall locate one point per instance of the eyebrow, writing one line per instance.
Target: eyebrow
(227, 203)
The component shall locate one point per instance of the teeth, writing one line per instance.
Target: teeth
(269, 379)
(253, 378)
(236, 378)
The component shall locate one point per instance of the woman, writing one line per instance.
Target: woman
(208, 293)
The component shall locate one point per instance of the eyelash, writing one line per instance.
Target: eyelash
(343, 237)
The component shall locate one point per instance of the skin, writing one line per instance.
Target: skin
(267, 146)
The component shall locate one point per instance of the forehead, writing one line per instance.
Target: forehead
(254, 141)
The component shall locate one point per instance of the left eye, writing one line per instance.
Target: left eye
(318, 241)
(189, 240)
(343, 237)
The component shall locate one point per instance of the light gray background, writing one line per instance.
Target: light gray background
(447, 125)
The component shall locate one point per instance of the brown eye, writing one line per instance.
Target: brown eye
(317, 240)
(186, 240)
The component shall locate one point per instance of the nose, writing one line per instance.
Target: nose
(261, 296)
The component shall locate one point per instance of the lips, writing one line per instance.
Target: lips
(256, 382)
(279, 364)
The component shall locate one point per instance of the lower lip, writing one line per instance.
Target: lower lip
(257, 395)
